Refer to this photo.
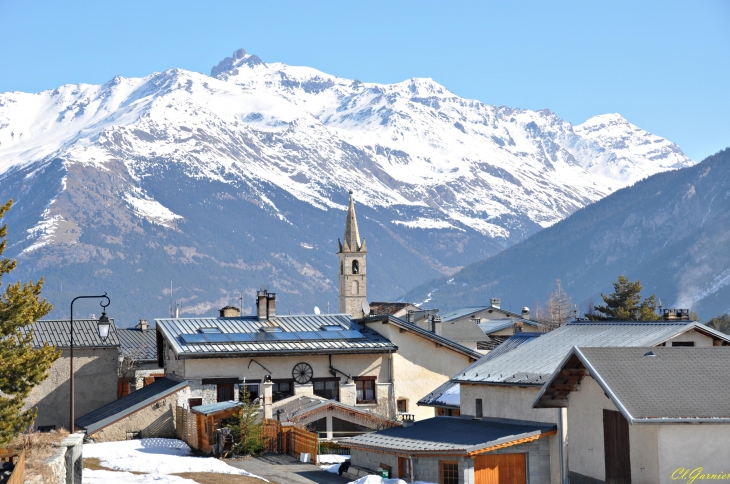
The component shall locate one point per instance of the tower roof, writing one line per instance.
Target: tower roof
(351, 242)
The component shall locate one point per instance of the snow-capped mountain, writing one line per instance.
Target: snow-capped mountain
(93, 167)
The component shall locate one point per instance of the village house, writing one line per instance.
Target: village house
(501, 390)
(95, 371)
(644, 415)
(137, 358)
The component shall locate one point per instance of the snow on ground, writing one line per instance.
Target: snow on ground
(156, 457)
(331, 463)
(380, 480)
(113, 477)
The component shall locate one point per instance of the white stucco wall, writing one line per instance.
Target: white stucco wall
(692, 335)
(698, 449)
(516, 403)
(419, 366)
(585, 437)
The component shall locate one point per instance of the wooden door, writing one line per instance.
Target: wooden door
(225, 392)
(404, 468)
(616, 448)
(500, 469)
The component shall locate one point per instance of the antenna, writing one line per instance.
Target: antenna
(241, 300)
(171, 309)
(365, 308)
(316, 310)
(328, 307)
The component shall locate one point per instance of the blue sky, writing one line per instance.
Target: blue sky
(664, 65)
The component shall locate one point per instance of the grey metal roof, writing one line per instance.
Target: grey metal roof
(463, 312)
(678, 383)
(135, 342)
(128, 404)
(495, 325)
(462, 331)
(173, 328)
(58, 333)
(216, 407)
(298, 406)
(533, 364)
(449, 434)
(401, 323)
(448, 395)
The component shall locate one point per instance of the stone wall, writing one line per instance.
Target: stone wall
(95, 382)
(155, 420)
(66, 465)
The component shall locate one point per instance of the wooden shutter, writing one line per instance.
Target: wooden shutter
(616, 448)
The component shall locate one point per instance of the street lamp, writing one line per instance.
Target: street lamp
(102, 325)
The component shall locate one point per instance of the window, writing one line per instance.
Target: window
(225, 392)
(402, 405)
(328, 388)
(342, 268)
(195, 402)
(356, 287)
(253, 390)
(449, 472)
(355, 267)
(365, 387)
(282, 389)
(46, 428)
(479, 413)
(683, 343)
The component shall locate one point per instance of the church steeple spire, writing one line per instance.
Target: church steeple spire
(352, 257)
(352, 233)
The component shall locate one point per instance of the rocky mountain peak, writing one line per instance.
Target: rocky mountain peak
(238, 59)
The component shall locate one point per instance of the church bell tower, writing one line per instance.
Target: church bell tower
(353, 270)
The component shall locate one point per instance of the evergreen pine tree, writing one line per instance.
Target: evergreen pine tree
(625, 303)
(246, 427)
(22, 367)
(720, 323)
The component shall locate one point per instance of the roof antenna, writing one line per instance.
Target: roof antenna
(171, 309)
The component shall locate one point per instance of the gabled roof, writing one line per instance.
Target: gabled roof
(650, 384)
(298, 407)
(216, 407)
(452, 435)
(58, 333)
(494, 325)
(379, 308)
(448, 395)
(466, 331)
(460, 313)
(293, 338)
(139, 344)
(422, 333)
(128, 404)
(533, 364)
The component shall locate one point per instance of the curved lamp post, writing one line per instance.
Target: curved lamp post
(103, 326)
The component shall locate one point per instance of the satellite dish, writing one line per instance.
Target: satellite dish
(365, 308)
(316, 310)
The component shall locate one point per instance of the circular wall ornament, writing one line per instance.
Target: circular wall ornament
(302, 373)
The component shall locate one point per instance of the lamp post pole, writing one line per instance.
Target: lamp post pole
(103, 333)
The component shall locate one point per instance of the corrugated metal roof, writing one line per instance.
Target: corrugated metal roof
(296, 407)
(215, 407)
(534, 363)
(367, 342)
(135, 342)
(58, 333)
(449, 434)
(495, 325)
(401, 323)
(676, 383)
(465, 330)
(463, 312)
(118, 409)
(448, 394)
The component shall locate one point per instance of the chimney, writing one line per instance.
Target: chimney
(261, 303)
(230, 312)
(177, 312)
(436, 324)
(270, 305)
(676, 315)
(518, 327)
(495, 302)
(143, 325)
(525, 313)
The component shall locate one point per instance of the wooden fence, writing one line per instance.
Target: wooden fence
(301, 441)
(9, 455)
(186, 428)
(271, 434)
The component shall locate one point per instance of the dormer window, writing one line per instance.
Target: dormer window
(355, 267)
(209, 330)
(332, 327)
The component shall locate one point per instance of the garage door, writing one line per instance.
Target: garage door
(500, 469)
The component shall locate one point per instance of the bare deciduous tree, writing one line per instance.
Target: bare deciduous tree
(558, 309)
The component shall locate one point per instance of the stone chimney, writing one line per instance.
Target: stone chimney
(525, 313)
(495, 302)
(436, 324)
(230, 312)
(675, 315)
(267, 400)
(261, 305)
(142, 325)
(270, 305)
(518, 327)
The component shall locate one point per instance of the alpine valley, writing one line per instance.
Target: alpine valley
(226, 182)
